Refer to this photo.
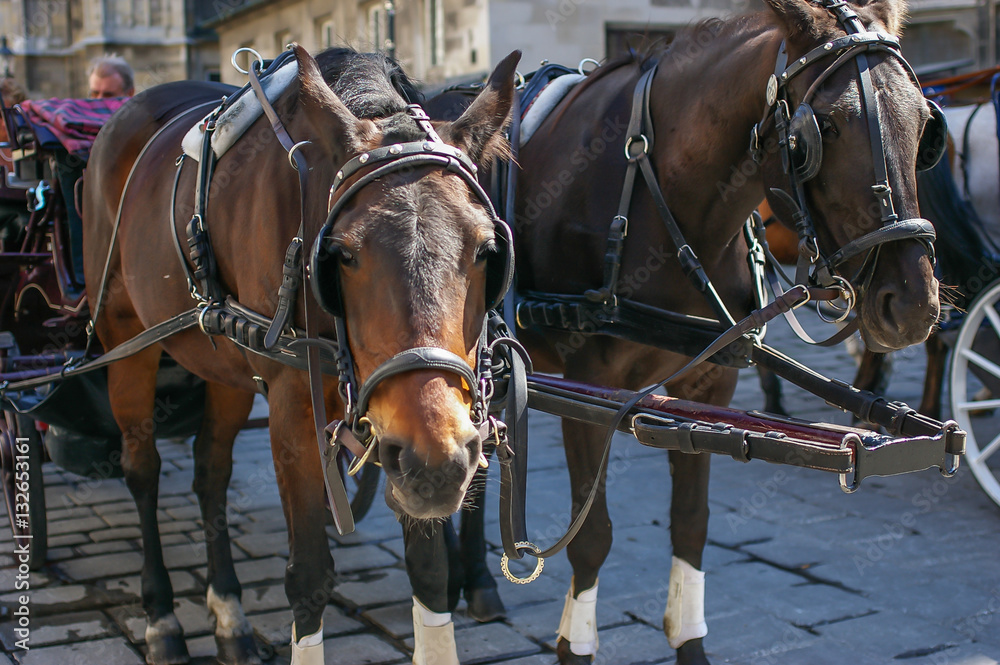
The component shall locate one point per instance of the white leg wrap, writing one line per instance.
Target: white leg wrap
(433, 637)
(229, 618)
(309, 649)
(578, 624)
(684, 618)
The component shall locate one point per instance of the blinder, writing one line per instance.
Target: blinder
(934, 140)
(805, 143)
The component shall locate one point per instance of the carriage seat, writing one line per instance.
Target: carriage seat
(547, 87)
(242, 109)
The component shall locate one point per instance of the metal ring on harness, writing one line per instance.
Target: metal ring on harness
(847, 295)
(518, 80)
(579, 67)
(293, 149)
(369, 449)
(251, 51)
(628, 144)
(504, 562)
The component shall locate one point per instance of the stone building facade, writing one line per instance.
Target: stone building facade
(54, 40)
(446, 40)
(437, 41)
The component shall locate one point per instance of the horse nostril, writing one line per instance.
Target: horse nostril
(389, 453)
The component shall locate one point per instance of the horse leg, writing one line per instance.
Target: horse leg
(480, 588)
(577, 644)
(132, 390)
(684, 617)
(937, 356)
(770, 384)
(309, 576)
(226, 410)
(434, 565)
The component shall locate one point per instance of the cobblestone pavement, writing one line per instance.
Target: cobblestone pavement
(907, 570)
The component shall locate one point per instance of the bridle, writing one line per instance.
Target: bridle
(324, 269)
(800, 142)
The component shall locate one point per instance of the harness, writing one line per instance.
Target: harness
(725, 341)
(800, 141)
(278, 339)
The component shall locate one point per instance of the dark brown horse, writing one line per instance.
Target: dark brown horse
(413, 249)
(709, 92)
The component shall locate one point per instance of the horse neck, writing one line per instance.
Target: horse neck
(708, 93)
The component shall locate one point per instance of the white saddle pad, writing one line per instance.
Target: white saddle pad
(547, 99)
(238, 118)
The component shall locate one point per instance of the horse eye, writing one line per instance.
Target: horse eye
(485, 250)
(346, 257)
(826, 125)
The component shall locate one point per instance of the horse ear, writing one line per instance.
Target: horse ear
(343, 134)
(478, 131)
(890, 13)
(801, 20)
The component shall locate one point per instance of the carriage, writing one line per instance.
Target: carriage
(690, 427)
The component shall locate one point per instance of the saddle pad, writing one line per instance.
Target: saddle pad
(547, 99)
(240, 115)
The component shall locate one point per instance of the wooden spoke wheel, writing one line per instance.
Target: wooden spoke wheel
(362, 486)
(21, 457)
(975, 388)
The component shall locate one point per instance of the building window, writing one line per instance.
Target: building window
(281, 39)
(324, 32)
(376, 25)
(435, 31)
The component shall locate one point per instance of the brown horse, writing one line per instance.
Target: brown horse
(412, 254)
(708, 93)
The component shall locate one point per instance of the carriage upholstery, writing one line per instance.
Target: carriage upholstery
(241, 110)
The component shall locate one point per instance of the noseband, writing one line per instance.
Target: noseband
(325, 279)
(801, 143)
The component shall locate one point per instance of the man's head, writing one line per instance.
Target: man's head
(11, 92)
(111, 76)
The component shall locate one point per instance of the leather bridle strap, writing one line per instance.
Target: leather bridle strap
(419, 358)
(337, 492)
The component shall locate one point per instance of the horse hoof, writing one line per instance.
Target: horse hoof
(485, 604)
(237, 650)
(692, 652)
(567, 657)
(167, 650)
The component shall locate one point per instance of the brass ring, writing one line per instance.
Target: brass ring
(504, 561)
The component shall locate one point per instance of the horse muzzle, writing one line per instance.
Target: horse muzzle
(425, 486)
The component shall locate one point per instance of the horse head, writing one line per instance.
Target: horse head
(857, 129)
(412, 252)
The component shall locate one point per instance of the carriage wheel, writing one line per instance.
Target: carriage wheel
(975, 388)
(362, 486)
(20, 451)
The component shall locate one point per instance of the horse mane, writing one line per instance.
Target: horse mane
(371, 85)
